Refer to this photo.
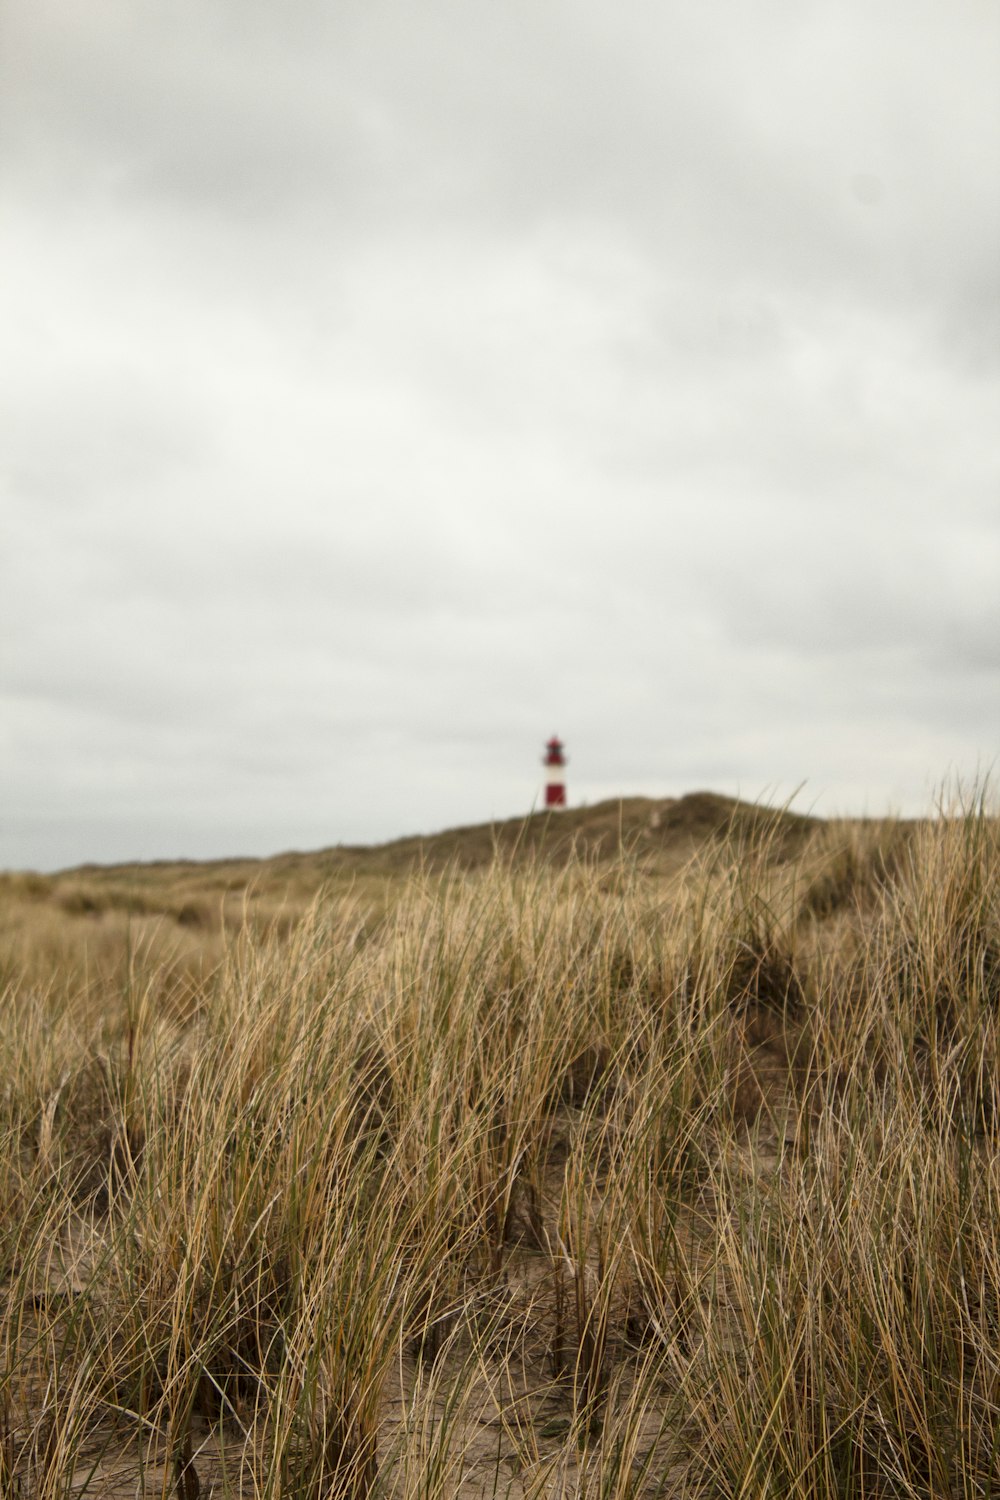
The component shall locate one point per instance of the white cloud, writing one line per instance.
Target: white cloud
(386, 388)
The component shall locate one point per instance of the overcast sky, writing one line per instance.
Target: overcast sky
(386, 386)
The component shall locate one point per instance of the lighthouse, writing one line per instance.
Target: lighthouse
(555, 779)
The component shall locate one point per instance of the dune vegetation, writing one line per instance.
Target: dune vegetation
(650, 1151)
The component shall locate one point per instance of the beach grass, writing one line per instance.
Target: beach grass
(608, 1175)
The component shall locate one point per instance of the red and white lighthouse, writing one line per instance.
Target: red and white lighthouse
(555, 777)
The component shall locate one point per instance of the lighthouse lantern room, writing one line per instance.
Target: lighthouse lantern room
(555, 778)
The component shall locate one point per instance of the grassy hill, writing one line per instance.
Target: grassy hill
(87, 922)
(464, 1165)
(658, 833)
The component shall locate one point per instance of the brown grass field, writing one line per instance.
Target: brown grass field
(647, 1149)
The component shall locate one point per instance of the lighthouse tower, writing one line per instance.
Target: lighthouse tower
(555, 779)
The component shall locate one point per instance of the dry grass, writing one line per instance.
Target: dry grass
(665, 1169)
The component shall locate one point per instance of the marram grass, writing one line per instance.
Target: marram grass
(522, 1182)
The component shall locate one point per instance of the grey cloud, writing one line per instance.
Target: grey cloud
(67, 440)
(389, 388)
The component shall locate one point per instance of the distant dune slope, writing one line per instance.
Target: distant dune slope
(631, 824)
(200, 897)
